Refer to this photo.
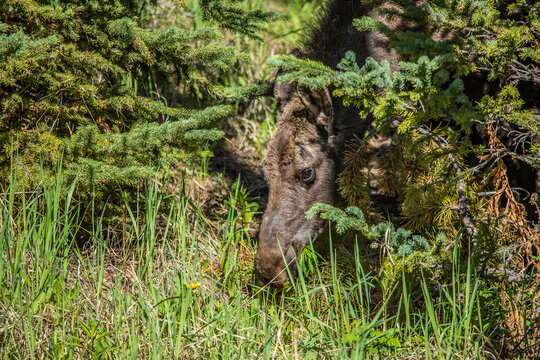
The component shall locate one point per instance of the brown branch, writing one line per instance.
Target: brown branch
(523, 72)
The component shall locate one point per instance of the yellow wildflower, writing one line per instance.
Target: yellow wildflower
(193, 285)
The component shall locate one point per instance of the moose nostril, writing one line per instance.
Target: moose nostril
(260, 280)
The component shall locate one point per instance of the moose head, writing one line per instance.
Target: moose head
(300, 169)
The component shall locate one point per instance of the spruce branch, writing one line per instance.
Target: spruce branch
(98, 83)
(228, 16)
(464, 211)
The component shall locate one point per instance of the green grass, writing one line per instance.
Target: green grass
(176, 285)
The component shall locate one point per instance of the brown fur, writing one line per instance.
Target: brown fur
(312, 130)
(301, 142)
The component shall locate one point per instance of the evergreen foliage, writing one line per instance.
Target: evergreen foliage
(462, 163)
(398, 241)
(249, 22)
(443, 180)
(93, 82)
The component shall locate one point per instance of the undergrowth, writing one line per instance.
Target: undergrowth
(176, 285)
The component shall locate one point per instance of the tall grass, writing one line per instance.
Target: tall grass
(175, 286)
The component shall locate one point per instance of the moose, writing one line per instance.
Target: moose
(304, 156)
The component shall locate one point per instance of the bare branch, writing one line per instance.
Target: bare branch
(505, 152)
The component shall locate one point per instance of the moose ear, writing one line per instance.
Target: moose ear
(292, 97)
(318, 103)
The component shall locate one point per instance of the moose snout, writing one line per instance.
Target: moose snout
(275, 261)
(272, 269)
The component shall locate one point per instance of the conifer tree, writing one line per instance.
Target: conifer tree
(87, 81)
(430, 168)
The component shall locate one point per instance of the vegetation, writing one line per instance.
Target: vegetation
(429, 163)
(94, 81)
(178, 290)
(451, 162)
(122, 103)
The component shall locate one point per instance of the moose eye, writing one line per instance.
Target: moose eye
(308, 175)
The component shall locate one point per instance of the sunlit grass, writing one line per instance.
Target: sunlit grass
(174, 286)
